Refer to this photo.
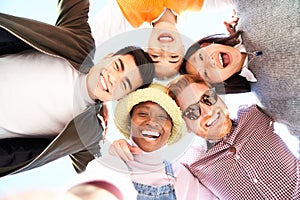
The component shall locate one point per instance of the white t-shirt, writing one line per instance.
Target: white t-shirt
(39, 94)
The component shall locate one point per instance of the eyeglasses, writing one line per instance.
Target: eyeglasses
(193, 112)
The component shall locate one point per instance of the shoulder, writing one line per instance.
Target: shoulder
(251, 111)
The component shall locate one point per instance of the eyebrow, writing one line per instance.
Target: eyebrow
(168, 61)
(128, 83)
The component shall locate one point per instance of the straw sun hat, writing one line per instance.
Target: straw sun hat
(155, 93)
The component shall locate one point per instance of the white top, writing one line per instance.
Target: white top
(147, 168)
(39, 94)
(110, 21)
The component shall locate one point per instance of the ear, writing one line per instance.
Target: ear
(205, 44)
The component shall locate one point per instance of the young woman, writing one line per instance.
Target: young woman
(222, 61)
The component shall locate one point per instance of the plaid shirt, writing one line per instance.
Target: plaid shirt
(251, 162)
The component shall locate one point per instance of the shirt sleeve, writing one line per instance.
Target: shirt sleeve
(195, 189)
(217, 4)
(109, 21)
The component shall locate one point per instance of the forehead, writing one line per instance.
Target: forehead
(148, 105)
(131, 71)
(128, 61)
(191, 94)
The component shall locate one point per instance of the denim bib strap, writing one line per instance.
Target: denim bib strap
(164, 192)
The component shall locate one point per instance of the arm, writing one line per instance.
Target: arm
(73, 14)
(81, 159)
(217, 4)
(71, 39)
(109, 22)
(73, 21)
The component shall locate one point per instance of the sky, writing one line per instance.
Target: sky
(56, 174)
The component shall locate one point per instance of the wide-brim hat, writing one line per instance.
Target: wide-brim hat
(155, 93)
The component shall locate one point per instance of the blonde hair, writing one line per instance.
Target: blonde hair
(176, 86)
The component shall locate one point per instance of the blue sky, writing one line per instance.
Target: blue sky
(56, 174)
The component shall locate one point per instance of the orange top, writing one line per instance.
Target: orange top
(139, 11)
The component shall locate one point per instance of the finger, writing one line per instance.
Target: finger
(125, 148)
(135, 150)
(229, 28)
(120, 148)
(234, 20)
(115, 151)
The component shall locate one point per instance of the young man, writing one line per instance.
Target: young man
(49, 88)
(249, 160)
(245, 158)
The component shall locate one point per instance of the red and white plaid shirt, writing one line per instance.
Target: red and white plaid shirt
(251, 162)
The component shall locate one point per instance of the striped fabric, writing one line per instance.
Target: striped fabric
(251, 162)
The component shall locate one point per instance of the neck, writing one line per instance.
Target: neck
(168, 16)
(150, 158)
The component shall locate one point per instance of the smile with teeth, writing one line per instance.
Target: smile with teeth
(150, 135)
(213, 119)
(103, 83)
(165, 38)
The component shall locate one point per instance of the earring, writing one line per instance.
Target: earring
(254, 54)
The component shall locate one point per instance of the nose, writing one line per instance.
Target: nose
(153, 122)
(164, 47)
(113, 77)
(205, 110)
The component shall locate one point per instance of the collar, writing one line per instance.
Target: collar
(245, 72)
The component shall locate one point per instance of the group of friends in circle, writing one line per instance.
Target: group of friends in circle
(64, 92)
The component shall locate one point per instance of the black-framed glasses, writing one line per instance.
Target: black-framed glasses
(193, 111)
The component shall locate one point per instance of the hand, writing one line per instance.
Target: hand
(231, 23)
(123, 150)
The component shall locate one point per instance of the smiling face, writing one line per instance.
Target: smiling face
(112, 78)
(166, 49)
(215, 63)
(214, 121)
(150, 126)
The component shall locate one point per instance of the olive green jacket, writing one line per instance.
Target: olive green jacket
(71, 40)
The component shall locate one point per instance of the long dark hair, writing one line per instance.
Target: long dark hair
(235, 83)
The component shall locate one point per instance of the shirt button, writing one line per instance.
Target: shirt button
(255, 180)
(232, 149)
(237, 157)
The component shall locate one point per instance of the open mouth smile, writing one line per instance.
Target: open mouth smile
(150, 135)
(213, 120)
(224, 59)
(103, 83)
(165, 38)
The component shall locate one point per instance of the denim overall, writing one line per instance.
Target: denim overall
(164, 192)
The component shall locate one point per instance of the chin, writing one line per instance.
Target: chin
(226, 128)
